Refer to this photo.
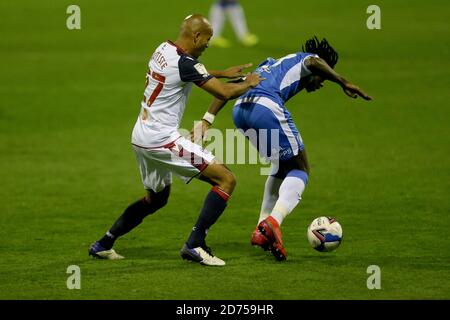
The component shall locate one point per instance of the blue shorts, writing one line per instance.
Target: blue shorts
(276, 134)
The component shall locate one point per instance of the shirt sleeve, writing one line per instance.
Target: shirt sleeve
(304, 70)
(192, 70)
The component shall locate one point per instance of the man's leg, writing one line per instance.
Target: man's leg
(217, 18)
(271, 188)
(290, 192)
(133, 215)
(238, 21)
(271, 192)
(223, 182)
(292, 186)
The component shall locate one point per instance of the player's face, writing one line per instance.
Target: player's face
(314, 83)
(202, 41)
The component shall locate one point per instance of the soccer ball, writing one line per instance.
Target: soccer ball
(324, 234)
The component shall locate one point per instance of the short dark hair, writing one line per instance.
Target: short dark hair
(322, 49)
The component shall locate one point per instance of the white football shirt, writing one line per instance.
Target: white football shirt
(170, 75)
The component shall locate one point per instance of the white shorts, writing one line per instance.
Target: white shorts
(182, 157)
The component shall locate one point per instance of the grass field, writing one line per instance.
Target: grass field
(69, 99)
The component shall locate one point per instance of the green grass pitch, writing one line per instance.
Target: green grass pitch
(69, 99)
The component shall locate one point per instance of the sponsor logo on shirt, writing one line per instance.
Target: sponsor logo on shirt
(201, 69)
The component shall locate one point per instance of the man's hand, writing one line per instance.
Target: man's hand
(198, 133)
(320, 67)
(253, 79)
(354, 91)
(236, 72)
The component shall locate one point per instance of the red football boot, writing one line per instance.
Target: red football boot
(269, 227)
(260, 240)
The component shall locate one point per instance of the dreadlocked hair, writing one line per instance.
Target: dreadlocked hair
(322, 49)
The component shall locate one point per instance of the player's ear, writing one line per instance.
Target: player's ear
(196, 36)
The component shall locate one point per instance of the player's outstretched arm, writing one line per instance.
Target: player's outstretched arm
(231, 73)
(222, 93)
(319, 66)
(227, 91)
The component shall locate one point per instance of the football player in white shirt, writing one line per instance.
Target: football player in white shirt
(161, 150)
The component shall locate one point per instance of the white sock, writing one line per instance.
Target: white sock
(217, 19)
(290, 193)
(270, 196)
(237, 19)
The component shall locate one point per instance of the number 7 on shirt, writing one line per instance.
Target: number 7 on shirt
(160, 79)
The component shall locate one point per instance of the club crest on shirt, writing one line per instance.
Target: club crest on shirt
(264, 69)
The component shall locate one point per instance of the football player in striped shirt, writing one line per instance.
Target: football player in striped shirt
(263, 109)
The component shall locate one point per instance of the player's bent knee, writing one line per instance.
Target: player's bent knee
(227, 181)
(155, 201)
(231, 179)
(219, 175)
(159, 202)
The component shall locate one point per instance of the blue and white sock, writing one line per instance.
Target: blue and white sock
(290, 194)
(270, 196)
